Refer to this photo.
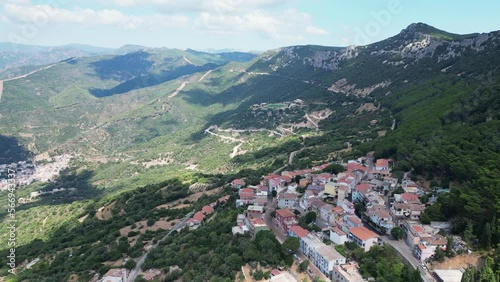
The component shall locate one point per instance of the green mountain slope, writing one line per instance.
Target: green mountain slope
(426, 98)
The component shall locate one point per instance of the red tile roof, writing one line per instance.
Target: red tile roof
(355, 166)
(409, 197)
(207, 210)
(362, 233)
(199, 216)
(285, 213)
(417, 228)
(382, 163)
(238, 181)
(363, 187)
(257, 221)
(299, 231)
(267, 177)
(224, 199)
(275, 272)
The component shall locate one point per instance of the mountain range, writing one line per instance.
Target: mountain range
(426, 98)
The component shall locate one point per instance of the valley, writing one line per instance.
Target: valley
(125, 144)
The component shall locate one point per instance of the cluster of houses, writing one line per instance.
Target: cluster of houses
(195, 221)
(333, 198)
(308, 190)
(23, 170)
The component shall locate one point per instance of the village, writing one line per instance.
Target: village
(362, 204)
(351, 206)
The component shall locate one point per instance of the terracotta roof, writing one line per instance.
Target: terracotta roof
(382, 163)
(362, 233)
(409, 197)
(225, 198)
(338, 210)
(363, 187)
(299, 231)
(238, 181)
(257, 221)
(285, 213)
(417, 228)
(199, 216)
(275, 272)
(207, 210)
(286, 178)
(267, 177)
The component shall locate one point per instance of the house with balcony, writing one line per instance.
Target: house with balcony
(382, 218)
(287, 200)
(364, 238)
(324, 257)
(285, 219)
(254, 225)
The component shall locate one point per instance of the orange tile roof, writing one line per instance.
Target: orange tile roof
(382, 163)
(285, 213)
(207, 210)
(362, 233)
(417, 228)
(363, 187)
(257, 221)
(199, 216)
(299, 231)
(409, 197)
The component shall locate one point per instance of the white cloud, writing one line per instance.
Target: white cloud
(45, 14)
(210, 6)
(289, 25)
(314, 30)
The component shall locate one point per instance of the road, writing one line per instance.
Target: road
(137, 269)
(402, 248)
(272, 204)
(26, 75)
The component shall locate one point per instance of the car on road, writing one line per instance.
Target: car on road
(295, 256)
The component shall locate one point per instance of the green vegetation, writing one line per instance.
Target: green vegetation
(382, 263)
(397, 233)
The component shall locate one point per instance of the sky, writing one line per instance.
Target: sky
(247, 25)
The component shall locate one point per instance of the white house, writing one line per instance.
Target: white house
(364, 238)
(338, 236)
(322, 256)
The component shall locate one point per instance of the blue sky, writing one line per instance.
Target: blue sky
(233, 24)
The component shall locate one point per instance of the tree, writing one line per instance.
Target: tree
(291, 244)
(130, 264)
(303, 265)
(468, 233)
(397, 233)
(150, 222)
(309, 218)
(469, 275)
(334, 169)
(439, 255)
(449, 247)
(486, 239)
(486, 274)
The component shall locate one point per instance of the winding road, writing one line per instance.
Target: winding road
(137, 269)
(25, 75)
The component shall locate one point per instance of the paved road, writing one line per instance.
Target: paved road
(137, 269)
(402, 248)
(271, 206)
